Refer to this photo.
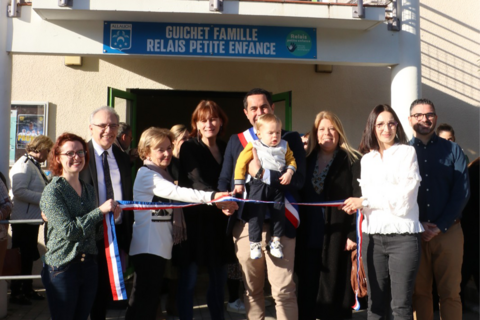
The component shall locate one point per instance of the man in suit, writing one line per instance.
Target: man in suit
(280, 272)
(107, 157)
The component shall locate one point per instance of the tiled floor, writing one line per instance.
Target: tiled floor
(39, 309)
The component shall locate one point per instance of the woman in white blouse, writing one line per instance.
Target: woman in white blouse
(156, 231)
(391, 230)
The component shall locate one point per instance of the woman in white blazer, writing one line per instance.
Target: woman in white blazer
(156, 231)
(28, 181)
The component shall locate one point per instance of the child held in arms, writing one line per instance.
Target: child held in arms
(274, 154)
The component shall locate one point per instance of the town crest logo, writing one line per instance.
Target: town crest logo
(121, 36)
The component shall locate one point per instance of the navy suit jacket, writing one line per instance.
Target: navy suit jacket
(226, 180)
(89, 175)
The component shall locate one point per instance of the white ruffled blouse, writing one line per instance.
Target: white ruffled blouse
(391, 187)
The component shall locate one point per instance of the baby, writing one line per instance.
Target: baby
(274, 154)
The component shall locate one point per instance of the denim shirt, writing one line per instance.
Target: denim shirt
(445, 189)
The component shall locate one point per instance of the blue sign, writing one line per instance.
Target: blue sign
(180, 39)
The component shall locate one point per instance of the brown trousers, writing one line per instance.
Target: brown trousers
(280, 274)
(442, 258)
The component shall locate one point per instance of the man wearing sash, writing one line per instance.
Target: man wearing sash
(109, 171)
(280, 272)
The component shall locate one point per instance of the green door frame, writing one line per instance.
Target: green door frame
(287, 97)
(115, 93)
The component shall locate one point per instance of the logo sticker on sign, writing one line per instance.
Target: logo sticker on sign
(121, 36)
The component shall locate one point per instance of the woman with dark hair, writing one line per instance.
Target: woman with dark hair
(28, 181)
(389, 181)
(70, 271)
(326, 236)
(201, 160)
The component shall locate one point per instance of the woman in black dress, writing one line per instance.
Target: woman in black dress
(326, 235)
(201, 160)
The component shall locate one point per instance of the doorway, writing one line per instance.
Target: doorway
(166, 108)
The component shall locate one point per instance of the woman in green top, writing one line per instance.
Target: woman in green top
(74, 221)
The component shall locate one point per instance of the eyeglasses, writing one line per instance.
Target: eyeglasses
(71, 154)
(382, 125)
(419, 116)
(104, 126)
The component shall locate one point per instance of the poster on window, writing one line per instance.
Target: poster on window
(28, 120)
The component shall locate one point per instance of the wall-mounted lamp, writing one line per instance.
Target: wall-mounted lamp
(358, 11)
(72, 61)
(323, 68)
(216, 5)
(13, 10)
(65, 3)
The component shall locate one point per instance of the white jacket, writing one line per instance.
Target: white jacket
(27, 188)
(156, 237)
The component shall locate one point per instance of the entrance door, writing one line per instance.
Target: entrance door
(283, 108)
(125, 103)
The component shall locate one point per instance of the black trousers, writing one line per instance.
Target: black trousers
(262, 191)
(147, 287)
(24, 236)
(308, 272)
(104, 291)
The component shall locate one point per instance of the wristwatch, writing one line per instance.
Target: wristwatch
(259, 173)
(365, 203)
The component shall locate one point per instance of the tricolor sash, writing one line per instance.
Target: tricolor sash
(115, 273)
(291, 210)
(358, 220)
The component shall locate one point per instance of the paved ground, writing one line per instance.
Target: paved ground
(39, 309)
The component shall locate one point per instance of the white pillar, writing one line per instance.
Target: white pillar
(5, 86)
(406, 83)
(5, 95)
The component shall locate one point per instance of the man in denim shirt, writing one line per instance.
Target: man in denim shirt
(443, 193)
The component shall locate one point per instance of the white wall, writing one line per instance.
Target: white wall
(351, 92)
(450, 45)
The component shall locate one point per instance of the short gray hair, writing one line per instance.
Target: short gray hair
(123, 128)
(110, 110)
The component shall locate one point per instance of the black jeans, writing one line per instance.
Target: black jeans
(24, 236)
(262, 191)
(391, 263)
(147, 287)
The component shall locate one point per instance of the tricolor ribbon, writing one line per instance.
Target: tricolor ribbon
(291, 209)
(358, 222)
(138, 205)
(115, 272)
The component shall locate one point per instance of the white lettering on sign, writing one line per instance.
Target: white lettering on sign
(256, 48)
(235, 34)
(121, 26)
(180, 32)
(238, 41)
(161, 45)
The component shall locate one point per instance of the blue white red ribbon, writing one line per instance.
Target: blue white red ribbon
(138, 205)
(358, 220)
(291, 210)
(115, 272)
